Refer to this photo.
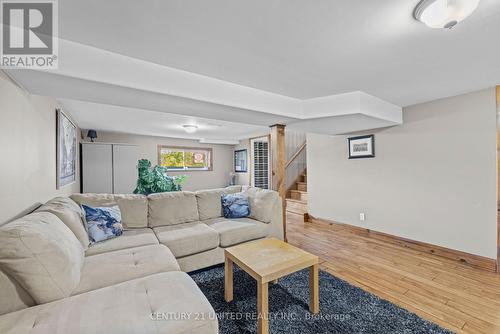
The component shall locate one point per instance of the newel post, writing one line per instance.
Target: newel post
(278, 161)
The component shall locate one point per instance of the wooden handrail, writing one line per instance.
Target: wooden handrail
(296, 154)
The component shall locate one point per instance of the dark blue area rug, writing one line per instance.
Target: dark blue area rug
(344, 309)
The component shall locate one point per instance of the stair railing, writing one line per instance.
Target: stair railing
(295, 166)
(296, 154)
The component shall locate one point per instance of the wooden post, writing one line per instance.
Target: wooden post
(278, 161)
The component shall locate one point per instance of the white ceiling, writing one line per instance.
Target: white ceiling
(236, 67)
(136, 121)
(90, 78)
(299, 48)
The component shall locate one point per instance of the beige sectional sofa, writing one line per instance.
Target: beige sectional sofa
(52, 281)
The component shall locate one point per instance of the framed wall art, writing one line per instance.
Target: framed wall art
(361, 147)
(240, 161)
(66, 150)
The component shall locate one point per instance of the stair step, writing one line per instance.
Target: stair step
(296, 206)
(292, 200)
(303, 178)
(302, 186)
(298, 194)
(302, 217)
(296, 211)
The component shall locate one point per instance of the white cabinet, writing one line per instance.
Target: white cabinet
(124, 168)
(109, 168)
(97, 168)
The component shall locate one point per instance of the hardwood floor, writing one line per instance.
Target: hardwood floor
(453, 295)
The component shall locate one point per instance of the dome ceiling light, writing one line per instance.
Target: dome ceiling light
(444, 13)
(189, 128)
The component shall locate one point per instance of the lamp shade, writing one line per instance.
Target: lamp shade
(92, 134)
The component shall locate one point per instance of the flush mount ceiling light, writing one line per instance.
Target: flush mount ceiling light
(444, 13)
(189, 128)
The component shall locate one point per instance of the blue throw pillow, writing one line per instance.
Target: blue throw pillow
(103, 223)
(235, 205)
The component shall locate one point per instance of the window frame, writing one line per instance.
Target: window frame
(188, 148)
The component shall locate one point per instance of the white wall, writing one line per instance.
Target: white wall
(244, 178)
(222, 158)
(27, 151)
(433, 178)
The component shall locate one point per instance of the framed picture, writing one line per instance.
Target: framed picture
(240, 161)
(66, 150)
(361, 147)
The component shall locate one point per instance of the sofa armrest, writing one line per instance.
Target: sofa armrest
(276, 225)
(267, 206)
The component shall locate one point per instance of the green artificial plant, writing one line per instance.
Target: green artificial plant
(156, 180)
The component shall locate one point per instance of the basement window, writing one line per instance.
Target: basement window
(185, 158)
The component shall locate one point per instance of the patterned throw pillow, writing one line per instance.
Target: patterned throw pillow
(103, 223)
(235, 205)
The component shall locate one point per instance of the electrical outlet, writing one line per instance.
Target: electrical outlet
(362, 216)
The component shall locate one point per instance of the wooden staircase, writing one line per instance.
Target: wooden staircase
(296, 200)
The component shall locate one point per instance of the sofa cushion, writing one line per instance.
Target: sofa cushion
(42, 255)
(94, 199)
(172, 208)
(209, 201)
(187, 239)
(133, 208)
(13, 297)
(129, 239)
(235, 231)
(209, 205)
(110, 268)
(70, 214)
(137, 306)
(262, 203)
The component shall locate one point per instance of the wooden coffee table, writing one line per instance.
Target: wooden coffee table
(267, 260)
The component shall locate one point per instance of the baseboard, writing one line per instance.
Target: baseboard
(472, 260)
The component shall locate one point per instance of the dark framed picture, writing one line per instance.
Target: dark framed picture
(361, 147)
(65, 150)
(240, 161)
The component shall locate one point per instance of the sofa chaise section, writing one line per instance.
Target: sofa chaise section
(153, 304)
